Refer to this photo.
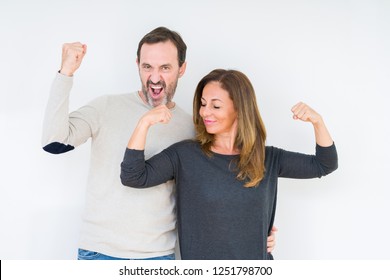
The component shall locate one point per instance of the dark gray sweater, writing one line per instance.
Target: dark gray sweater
(219, 218)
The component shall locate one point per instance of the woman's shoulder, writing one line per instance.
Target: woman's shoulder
(273, 152)
(183, 148)
(271, 149)
(185, 144)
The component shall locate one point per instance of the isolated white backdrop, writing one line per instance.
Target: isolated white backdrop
(331, 54)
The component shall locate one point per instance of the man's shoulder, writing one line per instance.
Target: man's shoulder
(182, 116)
(179, 108)
(119, 98)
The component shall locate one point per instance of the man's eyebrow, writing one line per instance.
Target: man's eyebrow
(163, 65)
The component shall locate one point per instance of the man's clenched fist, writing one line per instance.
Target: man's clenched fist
(72, 55)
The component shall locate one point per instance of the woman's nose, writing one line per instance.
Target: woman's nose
(204, 111)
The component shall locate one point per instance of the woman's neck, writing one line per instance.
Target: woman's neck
(225, 145)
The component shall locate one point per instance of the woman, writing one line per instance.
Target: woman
(226, 179)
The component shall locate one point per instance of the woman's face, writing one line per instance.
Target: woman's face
(217, 110)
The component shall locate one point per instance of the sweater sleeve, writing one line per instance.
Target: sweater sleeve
(138, 173)
(302, 166)
(62, 131)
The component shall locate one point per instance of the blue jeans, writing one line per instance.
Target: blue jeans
(91, 256)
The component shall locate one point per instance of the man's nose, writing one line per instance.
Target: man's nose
(155, 77)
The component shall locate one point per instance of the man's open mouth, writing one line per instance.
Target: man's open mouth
(156, 90)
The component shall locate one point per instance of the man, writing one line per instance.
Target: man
(121, 222)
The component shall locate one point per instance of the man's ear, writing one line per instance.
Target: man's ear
(182, 69)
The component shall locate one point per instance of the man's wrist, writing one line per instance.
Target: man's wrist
(65, 73)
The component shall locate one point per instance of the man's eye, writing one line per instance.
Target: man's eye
(217, 107)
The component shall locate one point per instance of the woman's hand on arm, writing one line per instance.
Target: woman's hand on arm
(159, 114)
(303, 112)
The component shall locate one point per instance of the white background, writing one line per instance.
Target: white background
(331, 54)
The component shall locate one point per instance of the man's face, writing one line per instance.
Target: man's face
(159, 72)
